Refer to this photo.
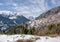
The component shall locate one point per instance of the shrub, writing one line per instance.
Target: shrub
(31, 31)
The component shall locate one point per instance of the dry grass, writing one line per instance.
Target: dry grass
(53, 35)
(24, 41)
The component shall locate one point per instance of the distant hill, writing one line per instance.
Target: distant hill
(7, 21)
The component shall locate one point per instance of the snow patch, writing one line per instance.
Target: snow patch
(14, 38)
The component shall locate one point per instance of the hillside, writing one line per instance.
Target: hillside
(52, 11)
(50, 17)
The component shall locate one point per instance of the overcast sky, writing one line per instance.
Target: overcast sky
(28, 7)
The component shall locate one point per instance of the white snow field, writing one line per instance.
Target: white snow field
(14, 38)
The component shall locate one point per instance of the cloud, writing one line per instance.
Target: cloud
(1, 4)
(6, 12)
(35, 7)
(52, 3)
(29, 7)
(14, 4)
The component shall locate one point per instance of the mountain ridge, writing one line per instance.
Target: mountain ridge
(52, 11)
(7, 22)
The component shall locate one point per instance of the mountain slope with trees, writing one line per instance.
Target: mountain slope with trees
(47, 24)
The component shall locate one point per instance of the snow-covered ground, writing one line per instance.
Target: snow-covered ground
(14, 38)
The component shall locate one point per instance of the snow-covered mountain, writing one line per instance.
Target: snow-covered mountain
(50, 17)
(8, 20)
